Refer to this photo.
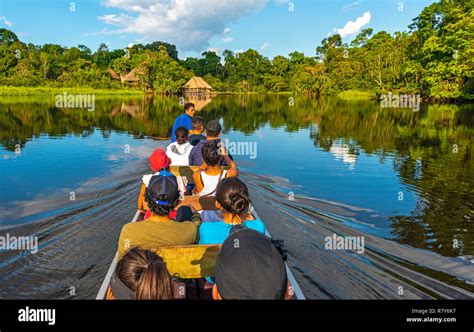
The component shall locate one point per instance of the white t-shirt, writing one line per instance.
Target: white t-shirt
(179, 154)
(182, 181)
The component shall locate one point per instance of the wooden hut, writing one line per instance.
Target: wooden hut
(198, 86)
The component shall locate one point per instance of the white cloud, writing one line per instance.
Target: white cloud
(351, 6)
(353, 27)
(6, 22)
(264, 46)
(215, 50)
(227, 39)
(189, 24)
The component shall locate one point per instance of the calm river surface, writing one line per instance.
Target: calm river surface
(401, 179)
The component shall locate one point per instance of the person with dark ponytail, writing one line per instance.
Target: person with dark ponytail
(142, 275)
(233, 200)
(162, 196)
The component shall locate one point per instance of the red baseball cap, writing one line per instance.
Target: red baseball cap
(159, 160)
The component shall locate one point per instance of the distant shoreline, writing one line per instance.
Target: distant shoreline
(348, 95)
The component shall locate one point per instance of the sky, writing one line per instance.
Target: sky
(273, 27)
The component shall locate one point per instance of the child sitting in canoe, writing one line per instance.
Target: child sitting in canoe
(196, 134)
(179, 151)
(232, 199)
(211, 172)
(251, 270)
(162, 196)
(213, 134)
(142, 275)
(159, 164)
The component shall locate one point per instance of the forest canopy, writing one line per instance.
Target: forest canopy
(433, 58)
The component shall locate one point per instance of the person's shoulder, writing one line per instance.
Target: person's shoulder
(146, 179)
(256, 224)
(210, 226)
(129, 227)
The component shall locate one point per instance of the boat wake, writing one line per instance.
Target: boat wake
(385, 270)
(78, 240)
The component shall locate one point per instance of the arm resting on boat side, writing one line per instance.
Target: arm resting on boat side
(141, 199)
(232, 171)
(198, 182)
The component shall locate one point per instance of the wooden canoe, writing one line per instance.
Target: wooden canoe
(191, 261)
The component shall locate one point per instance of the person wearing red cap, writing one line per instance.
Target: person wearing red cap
(159, 163)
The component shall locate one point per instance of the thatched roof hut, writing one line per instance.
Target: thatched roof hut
(196, 85)
(130, 78)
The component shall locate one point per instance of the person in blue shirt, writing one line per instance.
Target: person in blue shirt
(232, 199)
(184, 120)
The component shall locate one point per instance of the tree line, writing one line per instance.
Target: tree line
(433, 58)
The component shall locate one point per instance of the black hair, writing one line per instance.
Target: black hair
(213, 128)
(210, 154)
(233, 195)
(188, 106)
(160, 209)
(181, 131)
(197, 122)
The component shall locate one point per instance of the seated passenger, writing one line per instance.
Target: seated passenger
(195, 134)
(213, 134)
(162, 196)
(179, 151)
(159, 164)
(211, 173)
(249, 267)
(142, 275)
(232, 199)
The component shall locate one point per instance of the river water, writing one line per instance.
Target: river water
(399, 179)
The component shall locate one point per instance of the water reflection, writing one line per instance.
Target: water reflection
(430, 151)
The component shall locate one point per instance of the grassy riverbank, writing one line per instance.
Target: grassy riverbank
(357, 95)
(51, 91)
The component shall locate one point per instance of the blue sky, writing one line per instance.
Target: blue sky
(270, 26)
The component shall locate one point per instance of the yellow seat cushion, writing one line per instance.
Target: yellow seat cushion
(188, 262)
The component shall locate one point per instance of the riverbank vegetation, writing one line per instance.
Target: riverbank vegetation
(433, 58)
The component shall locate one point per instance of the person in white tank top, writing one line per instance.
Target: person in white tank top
(210, 183)
(211, 173)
